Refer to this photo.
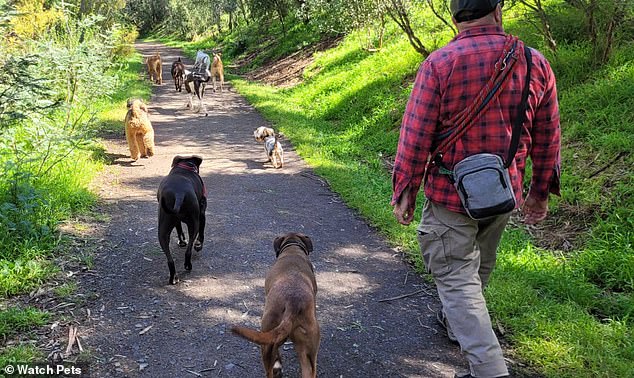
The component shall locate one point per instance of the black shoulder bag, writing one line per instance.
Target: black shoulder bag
(482, 180)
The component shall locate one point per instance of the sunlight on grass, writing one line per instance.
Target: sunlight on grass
(21, 276)
(14, 320)
(20, 353)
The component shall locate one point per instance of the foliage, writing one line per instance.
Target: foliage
(35, 18)
(20, 353)
(48, 91)
(14, 320)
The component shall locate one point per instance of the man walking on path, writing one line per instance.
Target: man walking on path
(460, 251)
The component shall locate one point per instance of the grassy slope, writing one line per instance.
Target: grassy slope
(568, 314)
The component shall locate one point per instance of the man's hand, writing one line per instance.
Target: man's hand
(534, 210)
(402, 211)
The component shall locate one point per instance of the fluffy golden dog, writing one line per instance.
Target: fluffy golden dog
(262, 132)
(155, 68)
(217, 69)
(138, 130)
(290, 291)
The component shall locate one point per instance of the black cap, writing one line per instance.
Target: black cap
(467, 10)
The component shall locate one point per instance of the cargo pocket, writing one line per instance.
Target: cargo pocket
(434, 246)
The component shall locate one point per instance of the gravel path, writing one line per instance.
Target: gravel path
(138, 325)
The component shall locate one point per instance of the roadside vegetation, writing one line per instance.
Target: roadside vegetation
(65, 73)
(562, 294)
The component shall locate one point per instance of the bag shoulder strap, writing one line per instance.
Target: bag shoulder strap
(465, 119)
(521, 110)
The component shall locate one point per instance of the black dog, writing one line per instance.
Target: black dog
(178, 74)
(195, 83)
(182, 197)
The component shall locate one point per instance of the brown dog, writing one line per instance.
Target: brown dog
(155, 68)
(138, 130)
(217, 69)
(178, 74)
(289, 308)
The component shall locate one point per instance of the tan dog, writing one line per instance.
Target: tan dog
(217, 69)
(155, 68)
(274, 151)
(262, 132)
(138, 130)
(290, 289)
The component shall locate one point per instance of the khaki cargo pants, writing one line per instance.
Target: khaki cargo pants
(460, 254)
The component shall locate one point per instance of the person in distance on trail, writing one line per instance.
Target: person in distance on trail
(458, 250)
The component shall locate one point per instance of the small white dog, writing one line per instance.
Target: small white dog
(274, 151)
(262, 132)
(202, 62)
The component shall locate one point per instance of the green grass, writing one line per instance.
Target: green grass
(567, 314)
(15, 320)
(66, 290)
(23, 275)
(20, 353)
(130, 76)
(27, 263)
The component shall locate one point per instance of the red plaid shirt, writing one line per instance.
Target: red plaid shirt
(446, 83)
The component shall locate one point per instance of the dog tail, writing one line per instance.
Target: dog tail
(176, 206)
(275, 336)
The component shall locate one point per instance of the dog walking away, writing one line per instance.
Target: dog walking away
(290, 290)
(155, 68)
(274, 151)
(182, 198)
(138, 130)
(217, 70)
(178, 74)
(202, 62)
(262, 132)
(195, 83)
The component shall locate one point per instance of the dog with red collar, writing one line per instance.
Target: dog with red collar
(290, 311)
(182, 198)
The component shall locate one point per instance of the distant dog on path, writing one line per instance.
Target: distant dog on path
(178, 74)
(274, 151)
(182, 198)
(217, 70)
(290, 311)
(195, 83)
(155, 68)
(138, 130)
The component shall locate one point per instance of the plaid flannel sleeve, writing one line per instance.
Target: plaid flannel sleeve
(546, 138)
(416, 135)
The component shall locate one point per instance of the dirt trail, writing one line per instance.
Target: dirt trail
(138, 325)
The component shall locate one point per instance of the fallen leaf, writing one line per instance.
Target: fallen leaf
(144, 330)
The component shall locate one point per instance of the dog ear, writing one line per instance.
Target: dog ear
(277, 244)
(143, 106)
(197, 160)
(129, 103)
(307, 242)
